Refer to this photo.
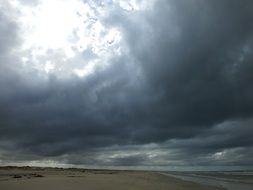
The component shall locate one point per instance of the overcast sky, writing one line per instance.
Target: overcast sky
(129, 84)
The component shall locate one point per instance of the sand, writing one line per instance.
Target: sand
(78, 179)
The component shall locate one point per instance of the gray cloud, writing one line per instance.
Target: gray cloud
(181, 95)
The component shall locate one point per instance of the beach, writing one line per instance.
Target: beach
(28, 178)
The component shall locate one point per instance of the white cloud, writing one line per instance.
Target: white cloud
(59, 32)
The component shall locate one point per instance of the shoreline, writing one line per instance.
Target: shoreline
(228, 182)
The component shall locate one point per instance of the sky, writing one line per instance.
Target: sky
(158, 84)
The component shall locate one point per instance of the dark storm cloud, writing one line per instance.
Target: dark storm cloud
(204, 72)
(192, 93)
(196, 63)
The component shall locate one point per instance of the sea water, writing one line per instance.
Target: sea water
(226, 181)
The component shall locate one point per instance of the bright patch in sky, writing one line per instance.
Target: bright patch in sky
(57, 33)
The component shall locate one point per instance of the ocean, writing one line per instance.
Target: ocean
(232, 180)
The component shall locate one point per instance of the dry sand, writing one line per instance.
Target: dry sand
(78, 179)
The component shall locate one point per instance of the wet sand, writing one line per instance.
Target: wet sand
(26, 178)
